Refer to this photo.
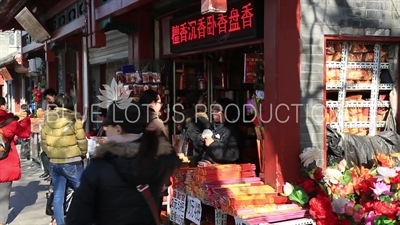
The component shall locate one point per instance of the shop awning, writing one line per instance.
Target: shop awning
(1, 81)
(126, 28)
(9, 59)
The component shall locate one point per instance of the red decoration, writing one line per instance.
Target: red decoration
(183, 32)
(247, 16)
(201, 28)
(192, 30)
(234, 21)
(211, 25)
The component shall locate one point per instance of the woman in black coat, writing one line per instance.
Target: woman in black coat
(108, 192)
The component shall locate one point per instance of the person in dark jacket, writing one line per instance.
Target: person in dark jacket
(195, 121)
(50, 95)
(108, 192)
(224, 144)
(99, 132)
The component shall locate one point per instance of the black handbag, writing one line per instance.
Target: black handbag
(49, 204)
(50, 197)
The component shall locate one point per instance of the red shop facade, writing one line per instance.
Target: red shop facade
(190, 35)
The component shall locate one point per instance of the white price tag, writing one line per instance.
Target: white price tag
(178, 208)
(220, 217)
(193, 212)
(239, 221)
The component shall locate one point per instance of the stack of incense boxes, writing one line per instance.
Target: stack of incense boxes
(235, 189)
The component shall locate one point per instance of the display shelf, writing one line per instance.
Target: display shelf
(358, 87)
(189, 76)
(357, 68)
(355, 65)
(335, 125)
(358, 104)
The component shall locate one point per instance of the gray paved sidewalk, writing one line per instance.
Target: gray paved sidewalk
(28, 197)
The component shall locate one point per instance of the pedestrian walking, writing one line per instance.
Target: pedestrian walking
(10, 164)
(64, 141)
(123, 182)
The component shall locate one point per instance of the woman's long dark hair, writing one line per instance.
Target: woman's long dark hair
(148, 148)
(148, 96)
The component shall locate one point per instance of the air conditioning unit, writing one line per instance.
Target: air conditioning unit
(32, 66)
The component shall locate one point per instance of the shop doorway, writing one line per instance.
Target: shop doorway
(231, 73)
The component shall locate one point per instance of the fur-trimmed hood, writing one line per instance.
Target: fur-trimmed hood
(128, 148)
(122, 156)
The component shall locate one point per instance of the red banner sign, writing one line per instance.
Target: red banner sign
(200, 31)
(250, 67)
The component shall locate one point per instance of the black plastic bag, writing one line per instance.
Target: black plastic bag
(335, 150)
(360, 150)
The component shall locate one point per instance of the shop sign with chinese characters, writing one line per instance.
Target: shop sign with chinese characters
(199, 31)
(193, 212)
(251, 61)
(178, 208)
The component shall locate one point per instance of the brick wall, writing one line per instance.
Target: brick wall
(333, 17)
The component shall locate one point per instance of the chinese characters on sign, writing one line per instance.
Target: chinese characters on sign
(178, 208)
(250, 67)
(193, 212)
(237, 22)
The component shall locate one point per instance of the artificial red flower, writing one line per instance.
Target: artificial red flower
(396, 179)
(318, 174)
(389, 210)
(364, 186)
(367, 205)
(321, 210)
(308, 185)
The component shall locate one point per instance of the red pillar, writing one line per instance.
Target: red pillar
(282, 79)
(51, 70)
(96, 37)
(142, 40)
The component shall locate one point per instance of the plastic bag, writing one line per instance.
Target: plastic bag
(207, 133)
(360, 150)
